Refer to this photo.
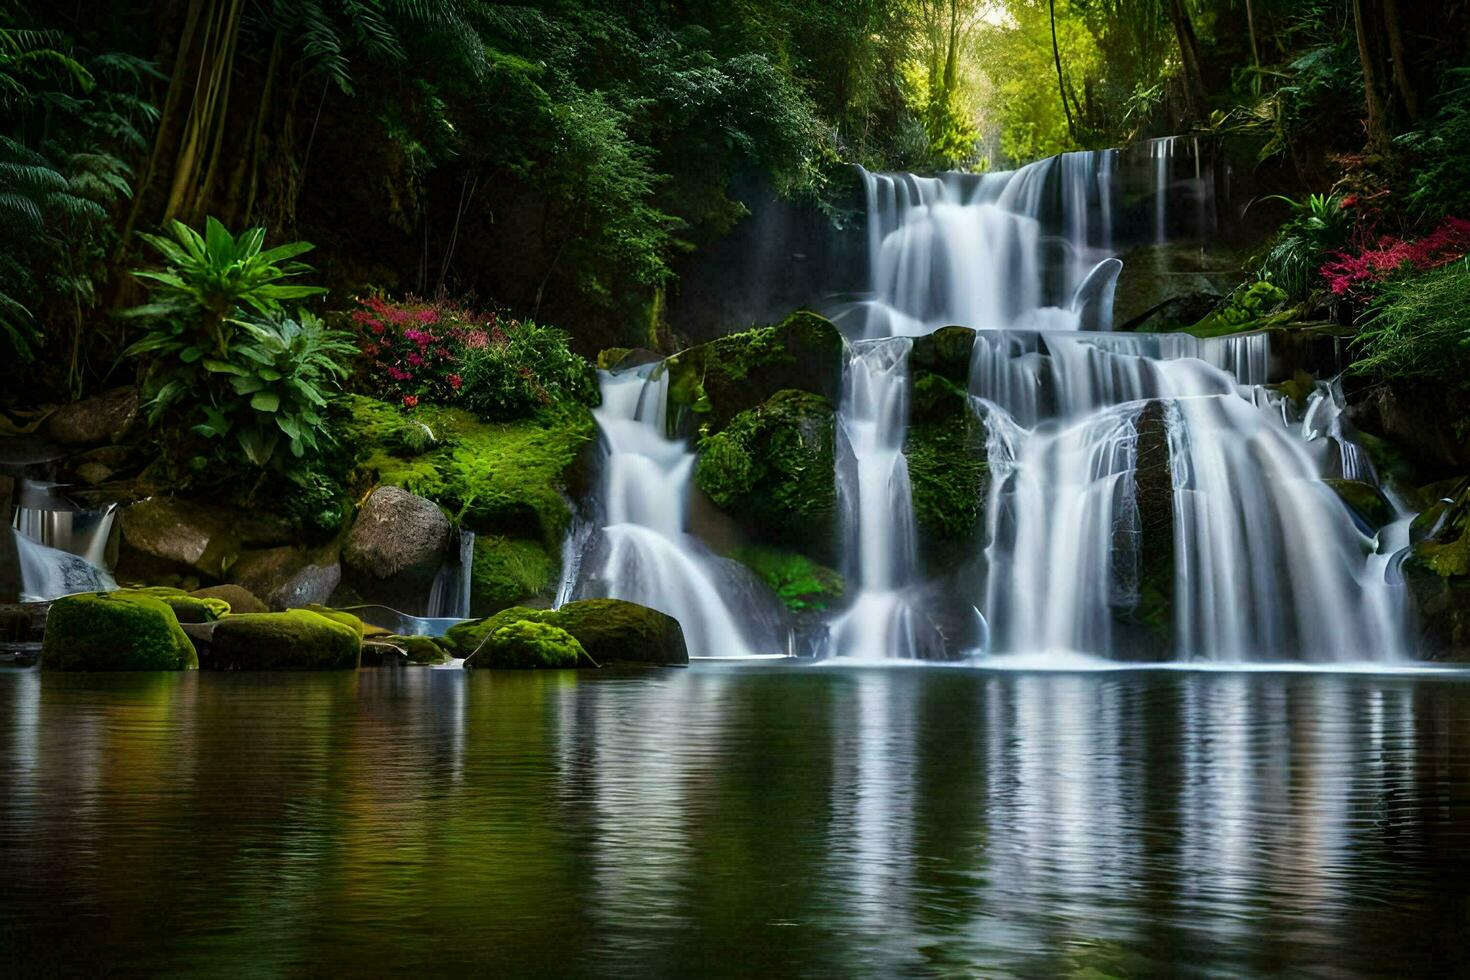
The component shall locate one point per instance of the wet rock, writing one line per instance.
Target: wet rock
(609, 630)
(297, 639)
(524, 644)
(1412, 417)
(1366, 501)
(1145, 545)
(105, 418)
(771, 469)
(1442, 607)
(239, 599)
(93, 473)
(115, 631)
(945, 352)
(288, 577)
(949, 471)
(164, 535)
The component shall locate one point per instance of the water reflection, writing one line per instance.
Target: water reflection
(730, 820)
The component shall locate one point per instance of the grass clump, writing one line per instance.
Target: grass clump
(1419, 327)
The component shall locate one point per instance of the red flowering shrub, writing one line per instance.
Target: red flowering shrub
(1346, 273)
(415, 351)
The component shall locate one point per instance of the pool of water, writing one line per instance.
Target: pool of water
(762, 819)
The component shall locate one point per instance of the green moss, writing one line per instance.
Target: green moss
(772, 468)
(424, 650)
(719, 380)
(1246, 309)
(947, 466)
(1364, 499)
(121, 630)
(337, 616)
(1447, 551)
(528, 645)
(609, 630)
(508, 571)
(499, 477)
(801, 583)
(945, 352)
(297, 639)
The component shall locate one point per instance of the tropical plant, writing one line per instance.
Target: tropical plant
(223, 358)
(1319, 224)
(211, 276)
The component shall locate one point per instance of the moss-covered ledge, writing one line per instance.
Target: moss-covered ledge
(948, 469)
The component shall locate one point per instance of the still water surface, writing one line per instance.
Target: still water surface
(760, 819)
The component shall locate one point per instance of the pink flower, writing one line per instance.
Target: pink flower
(409, 401)
(455, 381)
(477, 340)
(376, 328)
(416, 360)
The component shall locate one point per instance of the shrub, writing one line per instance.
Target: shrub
(1319, 224)
(499, 368)
(1419, 327)
(225, 362)
(1347, 273)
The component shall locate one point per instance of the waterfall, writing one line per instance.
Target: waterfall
(449, 594)
(876, 503)
(62, 548)
(1261, 560)
(643, 552)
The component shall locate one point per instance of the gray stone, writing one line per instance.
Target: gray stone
(396, 532)
(105, 418)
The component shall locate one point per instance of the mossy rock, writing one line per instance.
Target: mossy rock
(948, 469)
(122, 630)
(800, 583)
(187, 607)
(423, 650)
(297, 639)
(772, 469)
(945, 352)
(609, 630)
(1441, 535)
(507, 572)
(527, 645)
(238, 598)
(338, 616)
(715, 382)
(1365, 500)
(499, 477)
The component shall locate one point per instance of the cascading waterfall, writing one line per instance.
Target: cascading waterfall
(62, 549)
(643, 552)
(877, 503)
(1267, 563)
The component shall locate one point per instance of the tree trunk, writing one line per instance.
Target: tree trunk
(1056, 54)
(1405, 85)
(1194, 80)
(1377, 107)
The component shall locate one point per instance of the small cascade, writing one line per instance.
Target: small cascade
(643, 552)
(449, 595)
(63, 548)
(876, 504)
(1161, 151)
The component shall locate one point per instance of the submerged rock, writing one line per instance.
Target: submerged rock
(609, 630)
(771, 469)
(123, 630)
(297, 639)
(1365, 500)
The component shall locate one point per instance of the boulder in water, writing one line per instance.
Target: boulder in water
(1366, 501)
(524, 644)
(297, 639)
(945, 352)
(115, 631)
(424, 650)
(105, 418)
(609, 630)
(771, 469)
(288, 577)
(948, 470)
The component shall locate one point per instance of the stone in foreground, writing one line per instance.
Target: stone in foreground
(297, 639)
(115, 631)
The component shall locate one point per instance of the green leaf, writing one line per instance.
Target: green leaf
(265, 401)
(246, 384)
(223, 367)
(190, 354)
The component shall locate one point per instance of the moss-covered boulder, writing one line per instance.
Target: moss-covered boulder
(423, 650)
(1438, 573)
(800, 583)
(711, 384)
(772, 469)
(948, 469)
(527, 645)
(115, 631)
(238, 598)
(1365, 500)
(945, 352)
(1144, 607)
(509, 572)
(609, 630)
(297, 639)
(509, 478)
(345, 618)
